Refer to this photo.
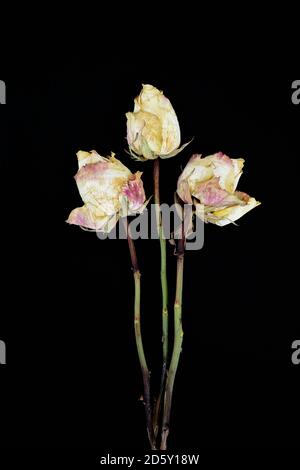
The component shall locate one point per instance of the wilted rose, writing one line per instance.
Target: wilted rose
(152, 129)
(109, 191)
(211, 182)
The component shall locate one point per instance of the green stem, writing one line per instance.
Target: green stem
(178, 338)
(138, 337)
(164, 290)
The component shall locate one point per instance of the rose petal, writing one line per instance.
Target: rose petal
(134, 191)
(229, 170)
(210, 193)
(80, 216)
(231, 214)
(183, 191)
(196, 171)
(85, 158)
(86, 218)
(100, 184)
(134, 128)
(151, 100)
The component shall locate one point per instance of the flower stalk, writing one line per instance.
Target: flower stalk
(138, 336)
(164, 290)
(178, 338)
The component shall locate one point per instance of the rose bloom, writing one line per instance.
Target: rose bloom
(152, 129)
(109, 191)
(210, 183)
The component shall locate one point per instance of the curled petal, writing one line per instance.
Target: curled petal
(85, 158)
(212, 182)
(134, 191)
(176, 151)
(144, 125)
(228, 170)
(95, 189)
(93, 171)
(196, 171)
(238, 165)
(100, 184)
(231, 214)
(81, 216)
(105, 186)
(86, 218)
(135, 125)
(210, 193)
(183, 191)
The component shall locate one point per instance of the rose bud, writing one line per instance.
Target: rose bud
(152, 128)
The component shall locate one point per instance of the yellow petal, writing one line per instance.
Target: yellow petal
(183, 191)
(197, 170)
(224, 169)
(152, 101)
(103, 184)
(238, 164)
(84, 158)
(134, 128)
(231, 214)
(100, 184)
(152, 130)
(89, 219)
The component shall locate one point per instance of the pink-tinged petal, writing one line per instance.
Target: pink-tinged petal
(237, 198)
(134, 191)
(81, 216)
(93, 185)
(210, 193)
(198, 170)
(87, 218)
(229, 170)
(223, 168)
(222, 159)
(100, 184)
(91, 171)
(111, 167)
(212, 181)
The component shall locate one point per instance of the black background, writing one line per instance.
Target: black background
(72, 378)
